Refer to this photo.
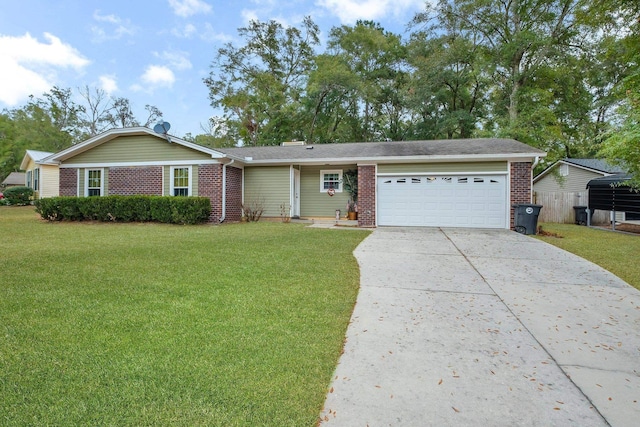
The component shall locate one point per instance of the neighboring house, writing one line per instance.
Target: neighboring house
(41, 177)
(564, 185)
(14, 179)
(452, 183)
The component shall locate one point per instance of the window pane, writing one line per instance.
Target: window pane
(180, 177)
(94, 179)
(331, 180)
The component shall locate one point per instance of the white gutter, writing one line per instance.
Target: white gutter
(224, 190)
(535, 162)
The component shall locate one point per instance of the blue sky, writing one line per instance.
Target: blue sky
(152, 52)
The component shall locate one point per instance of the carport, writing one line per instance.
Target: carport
(609, 193)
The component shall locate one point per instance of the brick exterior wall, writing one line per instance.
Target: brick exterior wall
(127, 181)
(210, 185)
(366, 196)
(234, 194)
(68, 182)
(520, 186)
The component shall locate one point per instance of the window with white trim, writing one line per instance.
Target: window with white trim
(180, 181)
(28, 180)
(331, 179)
(94, 182)
(36, 179)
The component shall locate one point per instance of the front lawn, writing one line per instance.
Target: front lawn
(616, 252)
(148, 324)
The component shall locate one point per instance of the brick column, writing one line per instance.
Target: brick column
(68, 182)
(366, 196)
(520, 186)
(210, 185)
(234, 194)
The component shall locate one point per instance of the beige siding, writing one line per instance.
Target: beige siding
(127, 149)
(460, 167)
(316, 203)
(81, 173)
(270, 186)
(49, 181)
(575, 181)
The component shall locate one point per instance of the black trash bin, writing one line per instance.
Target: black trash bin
(581, 215)
(526, 218)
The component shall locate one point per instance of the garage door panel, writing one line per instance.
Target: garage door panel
(447, 201)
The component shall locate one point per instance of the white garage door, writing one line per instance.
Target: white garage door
(443, 201)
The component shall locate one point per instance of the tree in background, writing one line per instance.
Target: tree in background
(260, 85)
(376, 59)
(55, 122)
(622, 142)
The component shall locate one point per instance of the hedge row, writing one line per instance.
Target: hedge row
(166, 209)
(18, 196)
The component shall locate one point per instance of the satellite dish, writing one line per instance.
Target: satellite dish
(162, 128)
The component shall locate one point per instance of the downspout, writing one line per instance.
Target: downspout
(224, 190)
(535, 163)
(533, 166)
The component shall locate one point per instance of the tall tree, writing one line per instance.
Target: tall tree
(96, 109)
(260, 84)
(378, 59)
(448, 88)
(521, 36)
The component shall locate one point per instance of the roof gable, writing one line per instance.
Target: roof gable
(593, 165)
(33, 155)
(92, 143)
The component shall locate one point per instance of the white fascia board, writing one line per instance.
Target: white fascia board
(133, 164)
(527, 157)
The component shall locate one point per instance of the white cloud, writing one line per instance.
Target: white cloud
(211, 35)
(29, 67)
(119, 27)
(349, 11)
(108, 83)
(156, 76)
(249, 15)
(186, 8)
(178, 60)
(186, 32)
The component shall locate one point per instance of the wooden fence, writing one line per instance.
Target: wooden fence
(558, 207)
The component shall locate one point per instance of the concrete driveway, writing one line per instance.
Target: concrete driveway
(461, 327)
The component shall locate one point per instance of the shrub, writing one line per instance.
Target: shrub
(160, 209)
(18, 196)
(176, 210)
(252, 209)
(190, 210)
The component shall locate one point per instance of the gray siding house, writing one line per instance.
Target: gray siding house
(563, 185)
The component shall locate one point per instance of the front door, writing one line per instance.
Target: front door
(295, 205)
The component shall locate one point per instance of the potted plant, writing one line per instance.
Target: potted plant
(350, 185)
(352, 210)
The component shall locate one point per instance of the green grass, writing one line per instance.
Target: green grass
(148, 324)
(616, 252)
